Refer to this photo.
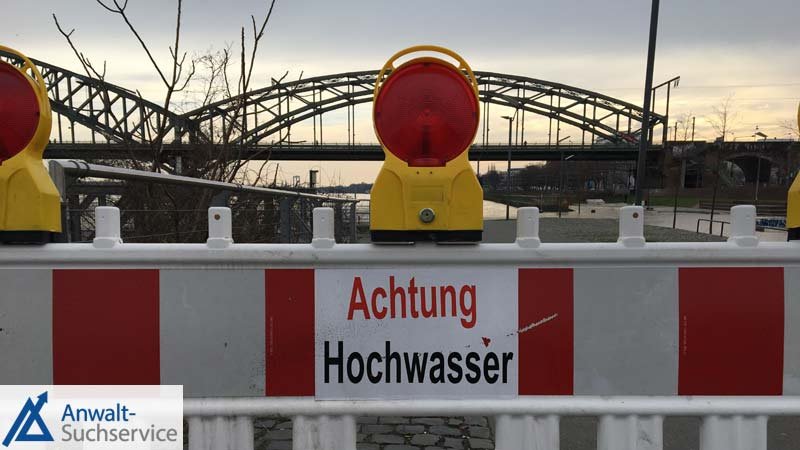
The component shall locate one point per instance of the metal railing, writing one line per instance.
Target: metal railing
(520, 423)
(279, 215)
(711, 222)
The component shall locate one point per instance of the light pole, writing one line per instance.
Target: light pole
(648, 85)
(561, 173)
(671, 83)
(510, 120)
(678, 182)
(758, 166)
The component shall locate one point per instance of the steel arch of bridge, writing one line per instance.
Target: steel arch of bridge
(269, 111)
(117, 114)
(122, 116)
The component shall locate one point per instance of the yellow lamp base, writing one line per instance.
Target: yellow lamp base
(443, 204)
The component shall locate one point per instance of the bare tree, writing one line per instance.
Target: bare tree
(685, 127)
(216, 76)
(176, 75)
(87, 65)
(723, 118)
(94, 73)
(792, 128)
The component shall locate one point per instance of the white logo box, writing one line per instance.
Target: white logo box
(92, 417)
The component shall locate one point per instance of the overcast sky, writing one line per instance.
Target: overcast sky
(747, 49)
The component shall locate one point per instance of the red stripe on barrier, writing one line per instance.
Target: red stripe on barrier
(290, 332)
(545, 332)
(106, 327)
(731, 331)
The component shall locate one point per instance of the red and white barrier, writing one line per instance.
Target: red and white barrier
(425, 321)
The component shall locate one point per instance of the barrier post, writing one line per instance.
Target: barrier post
(743, 226)
(733, 432)
(220, 234)
(631, 226)
(221, 433)
(324, 432)
(107, 232)
(323, 228)
(630, 433)
(528, 227)
(514, 432)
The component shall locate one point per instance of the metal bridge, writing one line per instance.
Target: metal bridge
(99, 120)
(348, 152)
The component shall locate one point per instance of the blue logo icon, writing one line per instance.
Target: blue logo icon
(30, 414)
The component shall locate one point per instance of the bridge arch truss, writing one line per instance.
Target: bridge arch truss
(115, 115)
(268, 113)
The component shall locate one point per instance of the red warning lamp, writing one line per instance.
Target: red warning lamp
(19, 112)
(30, 204)
(426, 113)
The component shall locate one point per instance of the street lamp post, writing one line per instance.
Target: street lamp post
(510, 120)
(648, 84)
(671, 83)
(678, 185)
(758, 168)
(561, 173)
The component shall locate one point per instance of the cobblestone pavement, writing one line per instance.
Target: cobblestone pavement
(392, 433)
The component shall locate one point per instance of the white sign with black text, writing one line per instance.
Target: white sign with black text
(391, 333)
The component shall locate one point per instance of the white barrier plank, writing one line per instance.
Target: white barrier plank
(626, 331)
(26, 326)
(228, 308)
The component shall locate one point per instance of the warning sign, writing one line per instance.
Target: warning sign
(425, 332)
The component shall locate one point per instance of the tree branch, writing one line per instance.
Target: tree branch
(91, 72)
(120, 9)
